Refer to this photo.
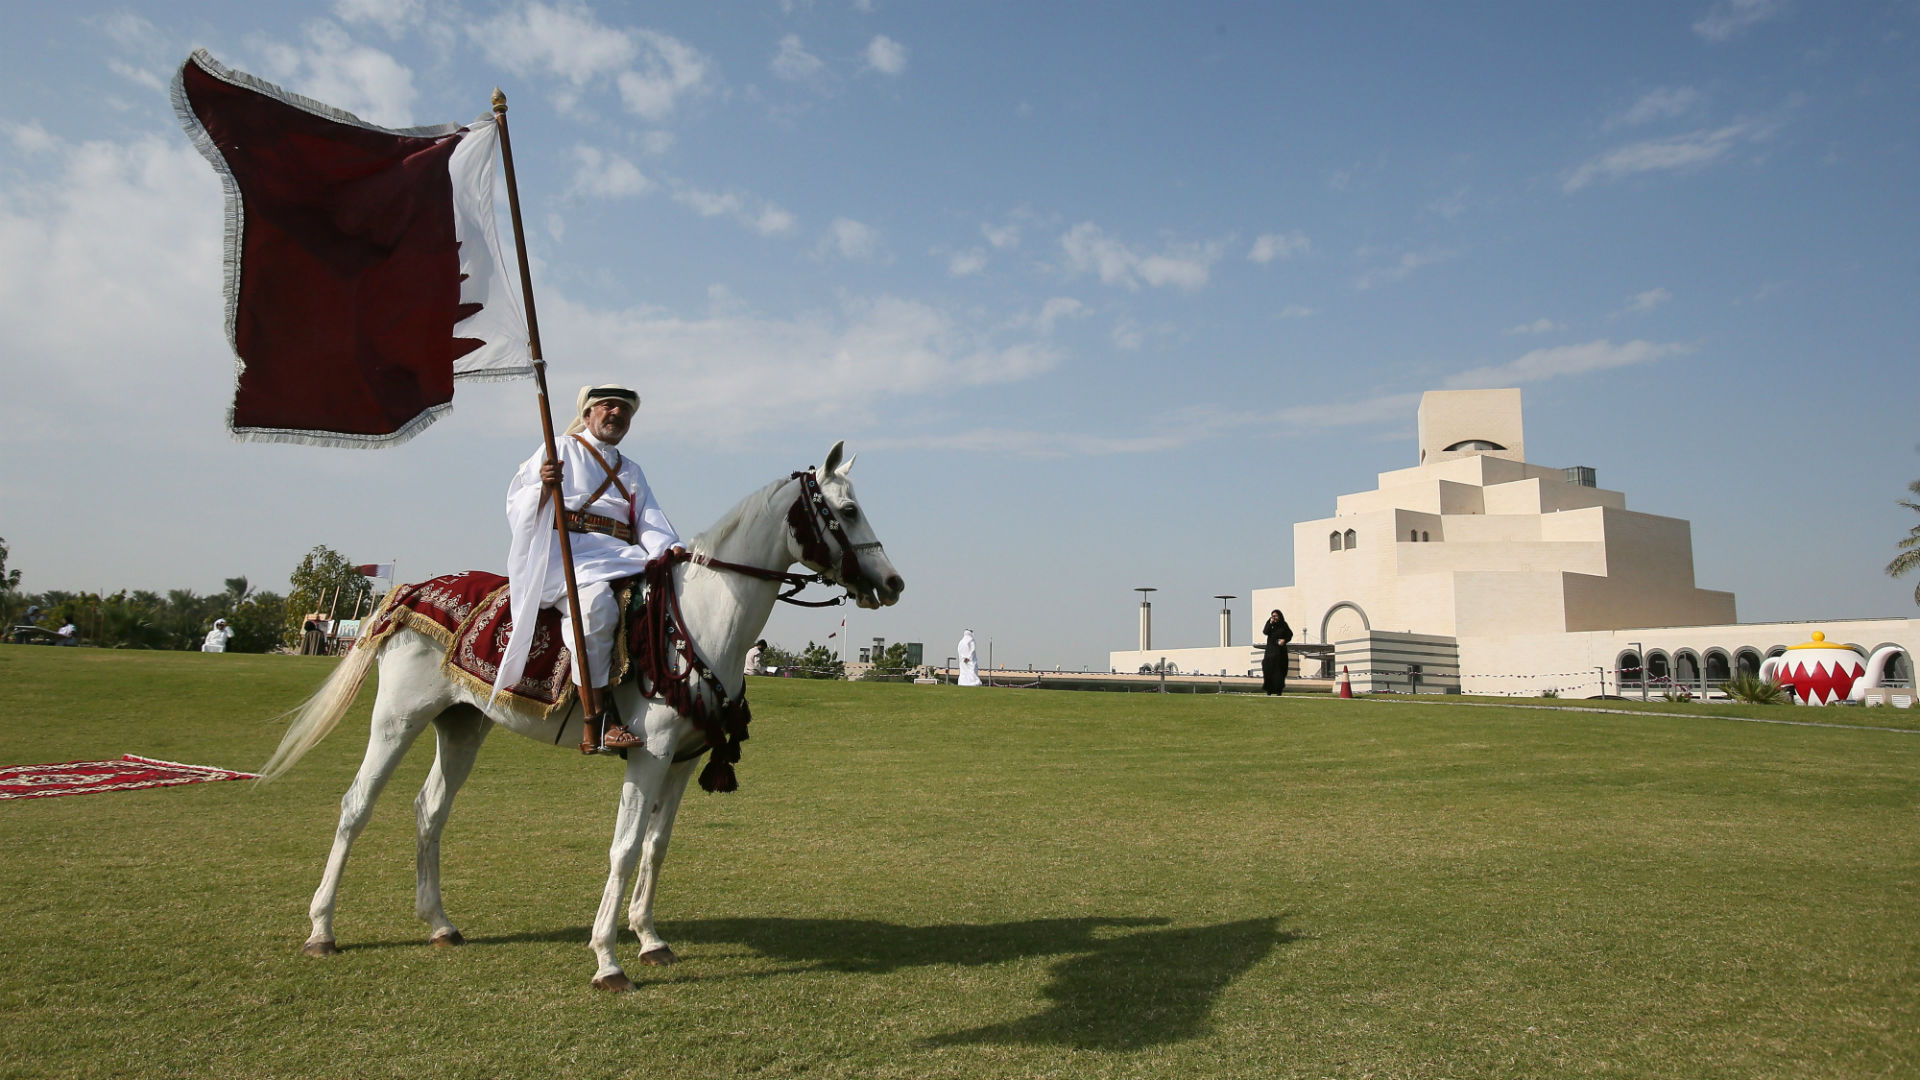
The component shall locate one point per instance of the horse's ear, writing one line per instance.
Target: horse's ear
(832, 464)
(847, 466)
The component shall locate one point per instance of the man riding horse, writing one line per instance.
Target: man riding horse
(617, 527)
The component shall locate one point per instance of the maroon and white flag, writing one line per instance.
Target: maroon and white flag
(363, 268)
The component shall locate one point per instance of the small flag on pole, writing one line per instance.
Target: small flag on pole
(363, 268)
(377, 570)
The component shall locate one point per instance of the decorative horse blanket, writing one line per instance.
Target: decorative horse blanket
(469, 614)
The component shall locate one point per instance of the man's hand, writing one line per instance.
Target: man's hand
(550, 473)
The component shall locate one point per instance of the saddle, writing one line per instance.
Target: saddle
(468, 613)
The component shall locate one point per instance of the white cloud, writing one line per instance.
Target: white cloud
(710, 374)
(566, 41)
(137, 75)
(1298, 311)
(1055, 309)
(29, 138)
(759, 215)
(653, 71)
(1729, 18)
(853, 240)
(1679, 153)
(1128, 335)
(1387, 408)
(886, 56)
(1270, 246)
(1645, 301)
(110, 276)
(1560, 361)
(966, 263)
(1031, 444)
(793, 62)
(605, 175)
(1658, 104)
(1182, 266)
(1541, 325)
(1001, 236)
(393, 16)
(670, 70)
(333, 68)
(1400, 269)
(1451, 205)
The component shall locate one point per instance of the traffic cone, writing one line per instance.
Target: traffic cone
(1346, 685)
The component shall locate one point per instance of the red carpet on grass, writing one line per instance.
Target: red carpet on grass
(130, 773)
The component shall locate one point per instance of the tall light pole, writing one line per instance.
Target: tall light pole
(1226, 618)
(1146, 618)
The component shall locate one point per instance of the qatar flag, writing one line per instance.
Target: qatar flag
(363, 268)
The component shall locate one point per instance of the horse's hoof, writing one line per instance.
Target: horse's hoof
(319, 948)
(659, 957)
(616, 983)
(446, 939)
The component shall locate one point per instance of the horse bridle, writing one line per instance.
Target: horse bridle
(818, 530)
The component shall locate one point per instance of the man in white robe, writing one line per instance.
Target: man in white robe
(616, 527)
(217, 637)
(969, 660)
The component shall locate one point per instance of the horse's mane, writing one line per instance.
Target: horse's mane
(730, 522)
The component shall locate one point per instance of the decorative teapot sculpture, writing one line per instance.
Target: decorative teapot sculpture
(1819, 672)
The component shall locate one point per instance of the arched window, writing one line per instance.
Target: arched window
(1657, 666)
(1333, 540)
(1686, 668)
(1716, 665)
(1413, 536)
(1627, 668)
(1747, 661)
(1352, 541)
(1476, 444)
(1423, 536)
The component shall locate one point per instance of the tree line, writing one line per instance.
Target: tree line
(178, 619)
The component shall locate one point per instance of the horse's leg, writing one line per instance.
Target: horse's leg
(460, 731)
(653, 853)
(393, 731)
(646, 773)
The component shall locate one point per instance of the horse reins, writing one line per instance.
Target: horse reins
(807, 517)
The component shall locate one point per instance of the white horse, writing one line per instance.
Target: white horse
(726, 595)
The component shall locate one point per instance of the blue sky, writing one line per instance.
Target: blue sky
(1104, 295)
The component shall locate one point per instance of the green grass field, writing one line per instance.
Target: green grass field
(930, 882)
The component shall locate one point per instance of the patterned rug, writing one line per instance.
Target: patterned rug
(130, 773)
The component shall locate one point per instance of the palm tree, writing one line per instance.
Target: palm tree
(1909, 556)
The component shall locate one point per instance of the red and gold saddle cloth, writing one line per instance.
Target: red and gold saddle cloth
(468, 613)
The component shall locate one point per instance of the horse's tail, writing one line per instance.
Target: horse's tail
(314, 720)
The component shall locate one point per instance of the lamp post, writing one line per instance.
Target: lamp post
(1146, 617)
(1226, 618)
(1641, 652)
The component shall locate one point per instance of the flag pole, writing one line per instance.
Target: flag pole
(588, 706)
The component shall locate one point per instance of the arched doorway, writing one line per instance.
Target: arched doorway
(1344, 621)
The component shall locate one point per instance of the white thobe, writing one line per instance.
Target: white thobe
(535, 575)
(217, 639)
(969, 660)
(753, 660)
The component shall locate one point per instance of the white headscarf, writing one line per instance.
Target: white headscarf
(593, 392)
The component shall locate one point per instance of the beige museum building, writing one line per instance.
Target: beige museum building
(1477, 572)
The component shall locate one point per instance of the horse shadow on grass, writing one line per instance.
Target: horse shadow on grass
(1118, 984)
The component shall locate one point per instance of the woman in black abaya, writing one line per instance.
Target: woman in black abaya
(1273, 666)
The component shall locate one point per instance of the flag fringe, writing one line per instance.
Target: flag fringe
(337, 439)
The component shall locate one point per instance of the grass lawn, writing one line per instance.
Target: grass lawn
(935, 882)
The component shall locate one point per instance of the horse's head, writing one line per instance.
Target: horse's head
(843, 548)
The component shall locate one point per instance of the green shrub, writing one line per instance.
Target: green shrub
(1754, 690)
